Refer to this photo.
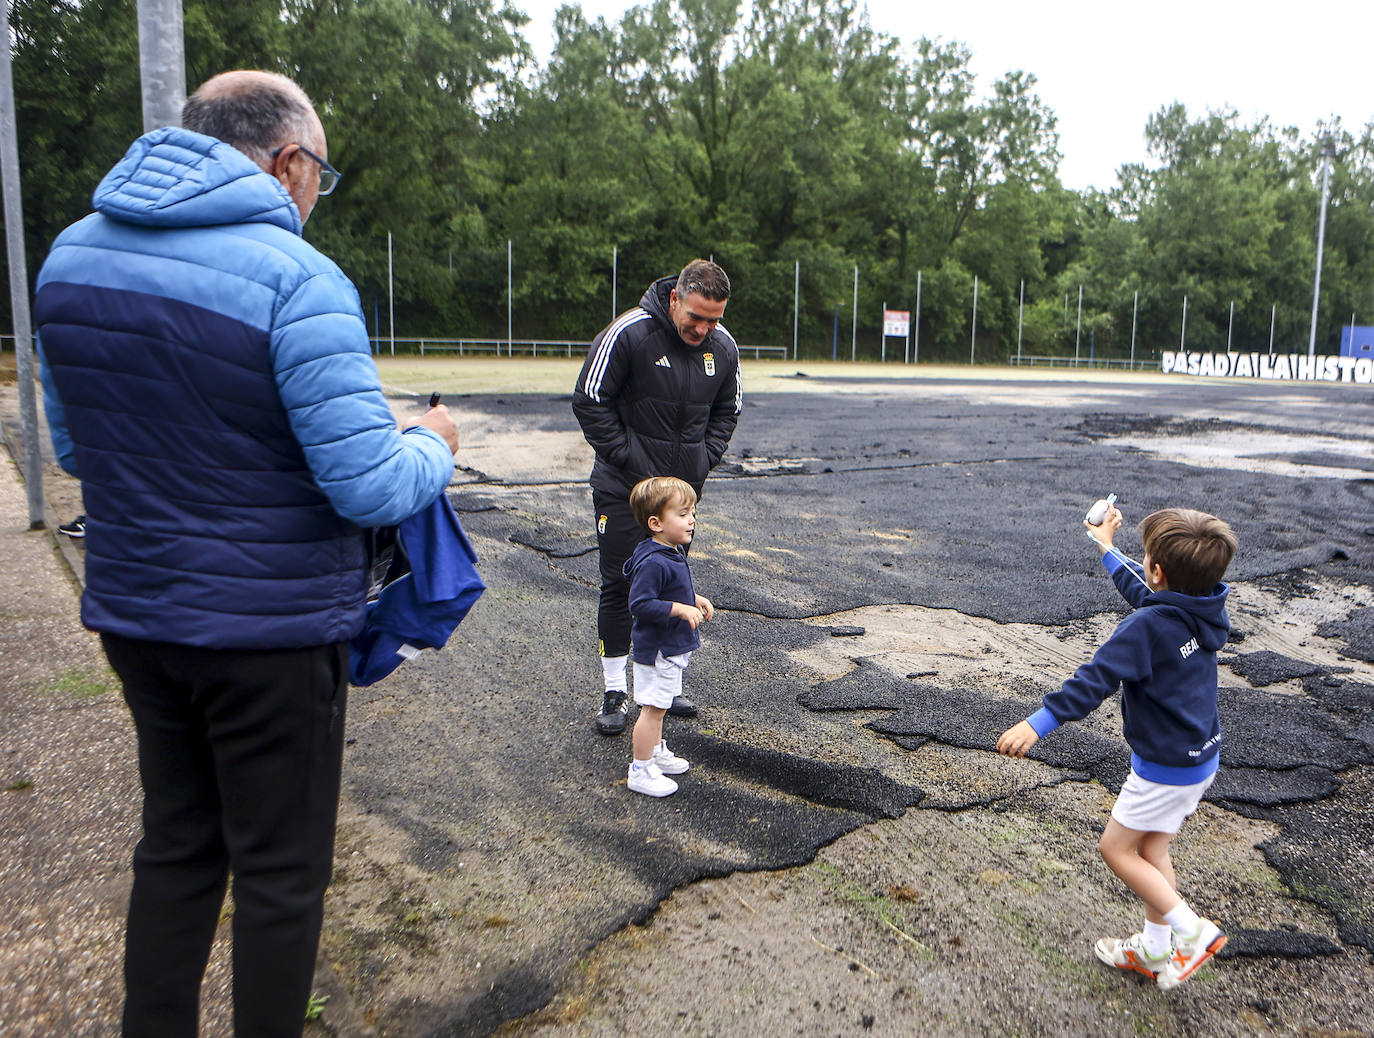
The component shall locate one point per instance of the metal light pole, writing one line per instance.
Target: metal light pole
(1135, 310)
(796, 307)
(1328, 153)
(1078, 332)
(390, 293)
(162, 62)
(916, 349)
(19, 288)
(1020, 320)
(854, 340)
(1183, 326)
(973, 328)
(510, 298)
(615, 260)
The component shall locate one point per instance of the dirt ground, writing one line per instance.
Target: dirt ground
(847, 855)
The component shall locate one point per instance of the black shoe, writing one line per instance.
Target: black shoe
(682, 707)
(611, 720)
(76, 529)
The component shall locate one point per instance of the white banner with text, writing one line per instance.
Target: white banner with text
(1286, 367)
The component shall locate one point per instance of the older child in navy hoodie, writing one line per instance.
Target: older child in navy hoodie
(666, 611)
(1164, 658)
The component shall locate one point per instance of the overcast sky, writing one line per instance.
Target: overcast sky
(1104, 68)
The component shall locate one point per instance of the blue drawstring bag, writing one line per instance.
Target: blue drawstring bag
(425, 580)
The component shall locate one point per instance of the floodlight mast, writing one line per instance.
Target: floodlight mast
(1328, 153)
(162, 62)
(19, 286)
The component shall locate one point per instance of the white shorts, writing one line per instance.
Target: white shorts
(659, 684)
(1152, 807)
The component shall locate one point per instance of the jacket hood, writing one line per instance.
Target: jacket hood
(655, 300)
(176, 178)
(644, 549)
(1204, 614)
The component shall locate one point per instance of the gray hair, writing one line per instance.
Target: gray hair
(256, 115)
(703, 278)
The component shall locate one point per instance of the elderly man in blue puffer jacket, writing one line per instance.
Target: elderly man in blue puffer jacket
(207, 374)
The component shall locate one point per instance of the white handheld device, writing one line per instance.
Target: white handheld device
(1098, 511)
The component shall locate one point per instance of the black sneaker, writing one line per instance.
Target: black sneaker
(611, 720)
(682, 707)
(76, 529)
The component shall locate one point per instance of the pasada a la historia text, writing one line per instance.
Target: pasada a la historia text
(1292, 367)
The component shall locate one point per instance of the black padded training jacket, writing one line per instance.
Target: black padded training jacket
(650, 404)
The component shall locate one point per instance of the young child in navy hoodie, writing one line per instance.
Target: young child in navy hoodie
(666, 612)
(1164, 658)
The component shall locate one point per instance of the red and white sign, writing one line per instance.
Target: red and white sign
(896, 322)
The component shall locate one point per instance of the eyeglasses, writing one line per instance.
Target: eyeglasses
(329, 176)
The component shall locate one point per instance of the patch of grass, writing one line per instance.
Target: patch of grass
(1002, 837)
(411, 921)
(1266, 878)
(80, 684)
(1083, 973)
(314, 1009)
(875, 902)
(19, 784)
(1310, 887)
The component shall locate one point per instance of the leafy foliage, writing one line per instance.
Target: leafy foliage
(794, 135)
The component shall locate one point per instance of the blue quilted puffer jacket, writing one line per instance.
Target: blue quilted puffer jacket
(207, 374)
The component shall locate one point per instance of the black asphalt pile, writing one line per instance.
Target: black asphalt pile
(1246, 942)
(1279, 732)
(866, 790)
(1267, 667)
(1330, 460)
(1245, 789)
(1358, 631)
(1324, 852)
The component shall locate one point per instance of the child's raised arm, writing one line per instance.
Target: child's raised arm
(1104, 533)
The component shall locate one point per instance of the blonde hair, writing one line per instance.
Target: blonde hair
(1192, 547)
(655, 495)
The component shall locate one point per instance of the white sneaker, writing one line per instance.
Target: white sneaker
(669, 762)
(1130, 954)
(1191, 953)
(650, 781)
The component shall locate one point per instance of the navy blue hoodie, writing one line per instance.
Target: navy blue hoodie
(1164, 658)
(659, 576)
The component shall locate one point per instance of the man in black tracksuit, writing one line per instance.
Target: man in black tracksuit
(659, 395)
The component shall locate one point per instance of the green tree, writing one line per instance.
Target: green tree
(397, 83)
(78, 101)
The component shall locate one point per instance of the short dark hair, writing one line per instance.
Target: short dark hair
(655, 495)
(703, 278)
(1192, 547)
(255, 117)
